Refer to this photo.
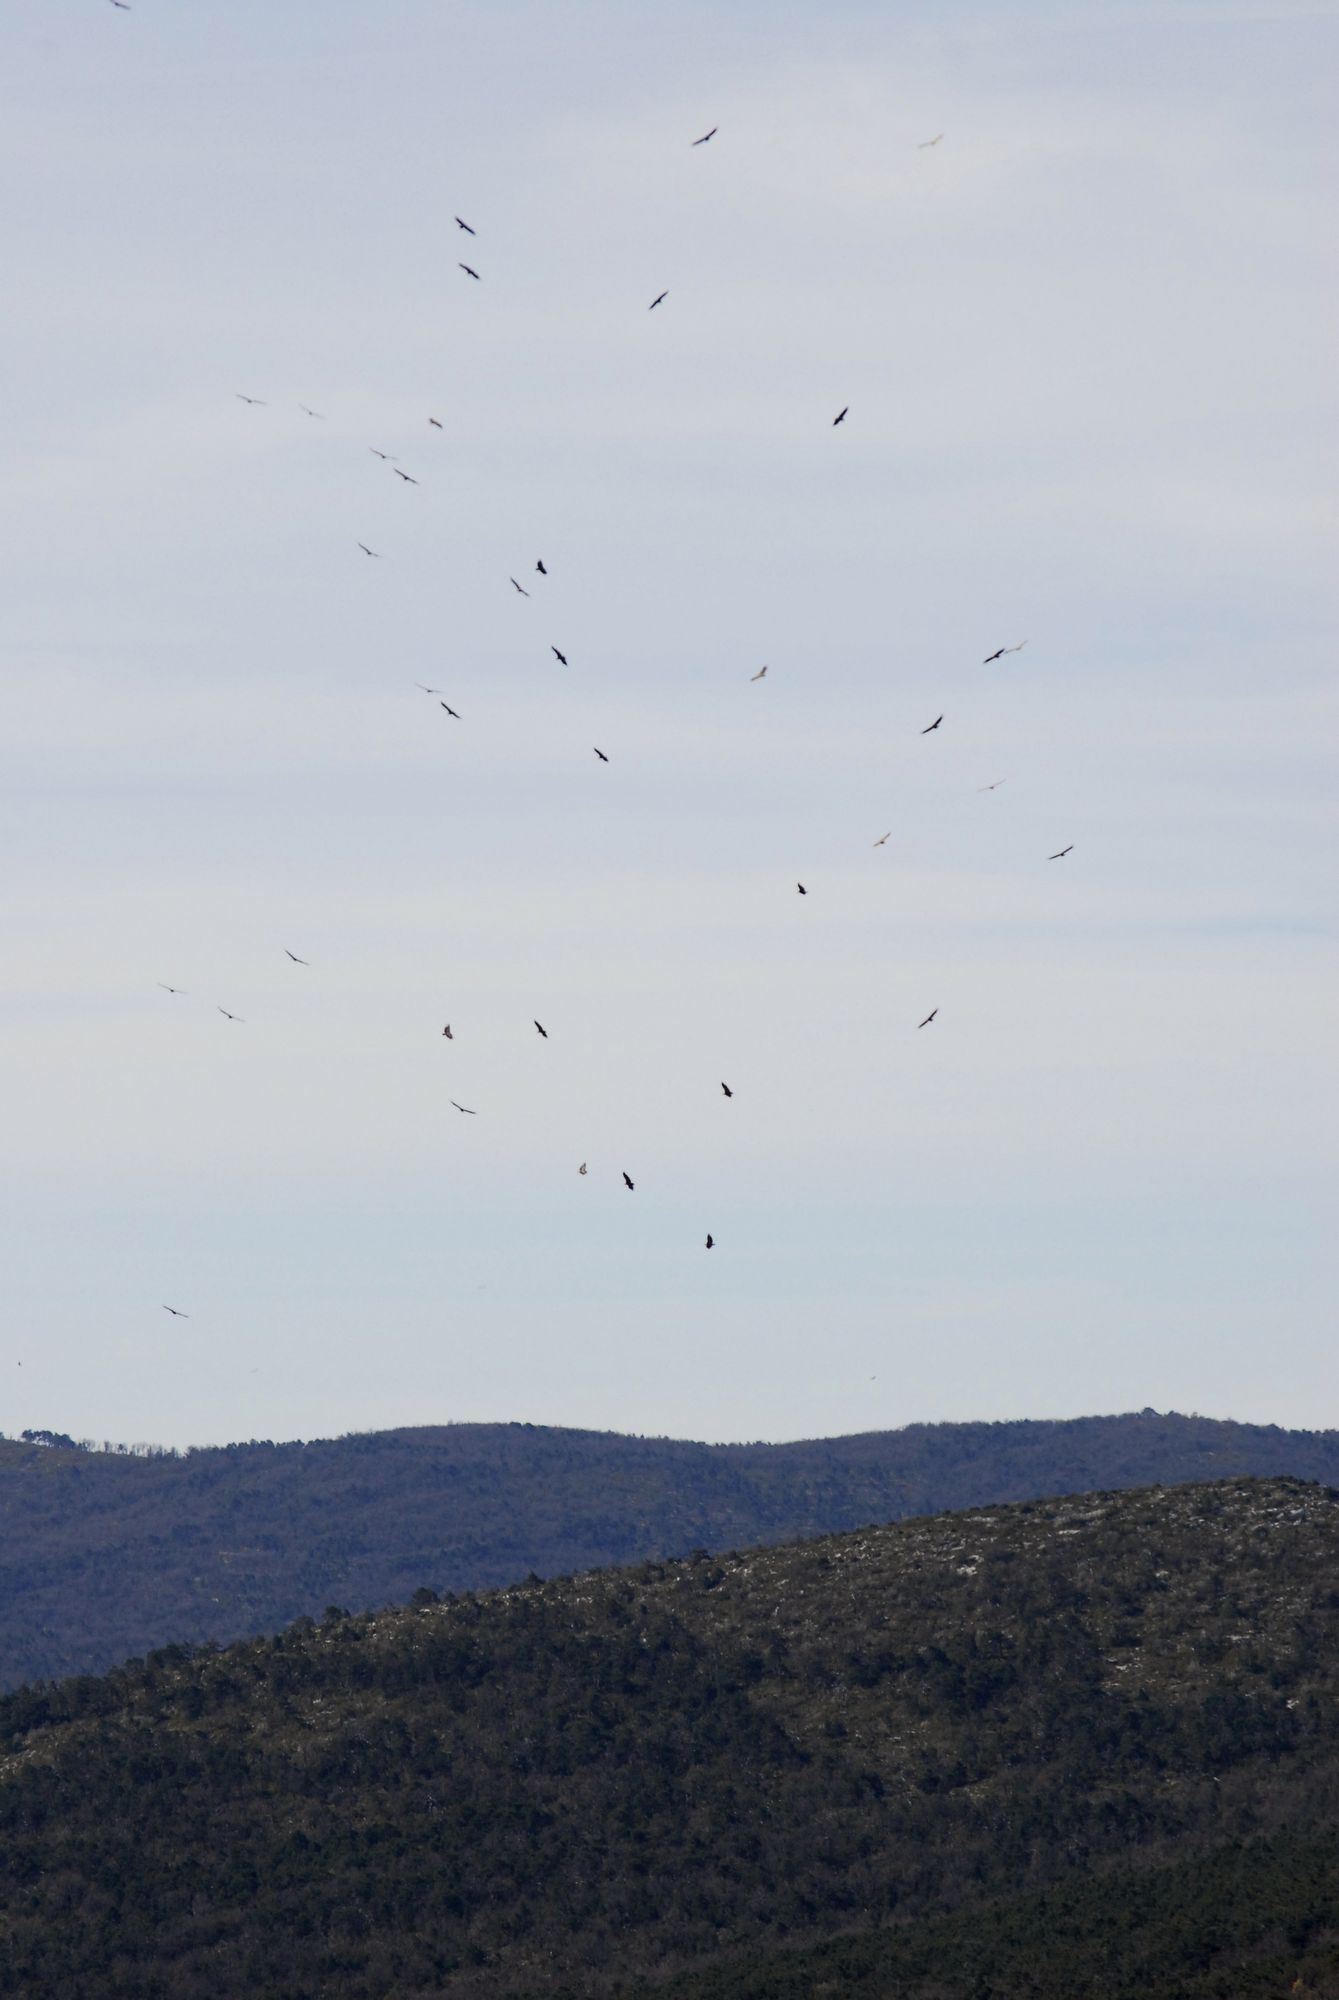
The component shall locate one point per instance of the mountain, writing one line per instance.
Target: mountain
(1067, 1748)
(104, 1554)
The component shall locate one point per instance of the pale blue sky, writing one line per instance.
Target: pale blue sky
(1085, 341)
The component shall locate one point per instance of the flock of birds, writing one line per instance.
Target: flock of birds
(540, 569)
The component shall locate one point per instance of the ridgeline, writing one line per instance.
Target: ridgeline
(103, 1554)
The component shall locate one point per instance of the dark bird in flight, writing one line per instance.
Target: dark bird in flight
(1002, 650)
(726, 1088)
(466, 227)
(582, 1168)
(707, 135)
(562, 657)
(543, 1031)
(249, 399)
(230, 1017)
(627, 1180)
(465, 1108)
(840, 418)
(447, 1032)
(1063, 852)
(800, 886)
(517, 586)
(932, 725)
(882, 837)
(600, 754)
(404, 475)
(929, 1017)
(421, 684)
(540, 567)
(370, 552)
(469, 271)
(167, 1309)
(388, 455)
(311, 413)
(929, 142)
(435, 422)
(169, 989)
(296, 960)
(450, 711)
(993, 788)
(759, 675)
(655, 302)
(125, 7)
(710, 1239)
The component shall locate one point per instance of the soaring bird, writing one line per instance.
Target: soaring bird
(627, 1180)
(840, 418)
(656, 301)
(311, 413)
(125, 7)
(169, 989)
(408, 477)
(296, 960)
(929, 1017)
(469, 271)
(993, 788)
(1063, 852)
(388, 455)
(582, 1168)
(600, 754)
(1000, 652)
(726, 1088)
(447, 1032)
(540, 567)
(450, 711)
(932, 725)
(929, 142)
(230, 1017)
(436, 423)
(759, 675)
(426, 689)
(707, 135)
(465, 1108)
(370, 552)
(560, 657)
(710, 1239)
(466, 227)
(800, 886)
(883, 837)
(519, 586)
(260, 405)
(167, 1309)
(543, 1031)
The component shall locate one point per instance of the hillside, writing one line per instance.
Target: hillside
(103, 1555)
(1052, 1749)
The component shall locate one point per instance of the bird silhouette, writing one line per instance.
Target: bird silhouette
(435, 422)
(929, 1017)
(169, 1309)
(469, 271)
(311, 413)
(929, 142)
(296, 960)
(466, 227)
(710, 1239)
(883, 837)
(231, 1017)
(447, 1032)
(933, 725)
(993, 788)
(389, 456)
(518, 586)
(600, 754)
(256, 400)
(707, 135)
(627, 1180)
(540, 567)
(543, 1031)
(726, 1088)
(125, 8)
(657, 301)
(800, 886)
(1063, 852)
(560, 657)
(426, 688)
(465, 1108)
(840, 418)
(759, 675)
(407, 477)
(1000, 652)
(370, 552)
(170, 989)
(582, 1168)
(450, 711)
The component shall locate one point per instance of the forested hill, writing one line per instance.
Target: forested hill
(1084, 1747)
(103, 1555)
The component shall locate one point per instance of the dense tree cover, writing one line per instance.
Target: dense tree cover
(718, 1770)
(105, 1554)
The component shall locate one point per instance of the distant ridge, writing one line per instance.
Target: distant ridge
(104, 1555)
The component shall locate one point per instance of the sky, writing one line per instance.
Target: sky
(1086, 341)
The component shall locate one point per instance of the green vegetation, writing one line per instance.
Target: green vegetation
(1056, 1749)
(104, 1554)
